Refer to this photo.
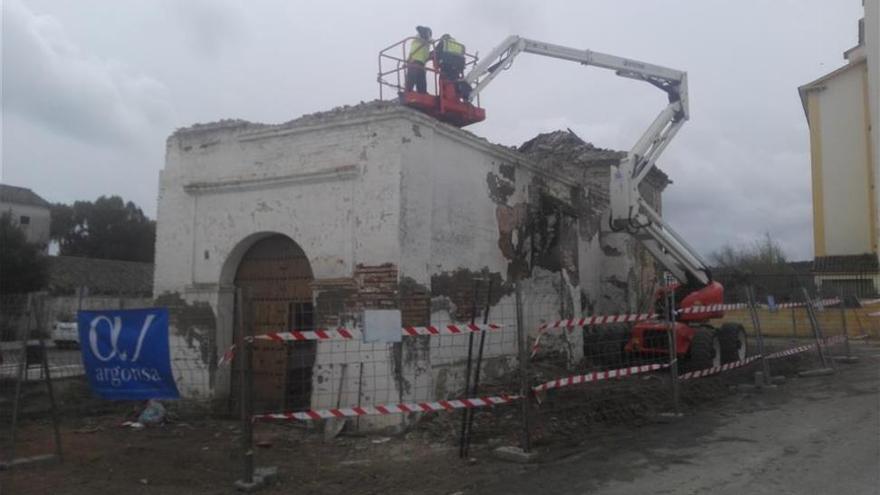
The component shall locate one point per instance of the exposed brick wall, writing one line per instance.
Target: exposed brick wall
(341, 300)
(377, 286)
(415, 303)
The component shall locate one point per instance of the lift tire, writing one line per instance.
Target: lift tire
(705, 350)
(592, 336)
(603, 345)
(612, 340)
(734, 343)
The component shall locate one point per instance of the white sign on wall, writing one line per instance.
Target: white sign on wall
(382, 325)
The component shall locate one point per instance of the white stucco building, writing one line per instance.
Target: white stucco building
(842, 109)
(380, 206)
(29, 211)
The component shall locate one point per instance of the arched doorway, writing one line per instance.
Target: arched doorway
(275, 276)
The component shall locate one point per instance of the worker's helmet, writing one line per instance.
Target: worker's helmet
(424, 31)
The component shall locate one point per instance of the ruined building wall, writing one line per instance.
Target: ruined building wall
(393, 210)
(616, 272)
(473, 210)
(333, 190)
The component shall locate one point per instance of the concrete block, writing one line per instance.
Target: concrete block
(846, 359)
(816, 372)
(515, 454)
(263, 476)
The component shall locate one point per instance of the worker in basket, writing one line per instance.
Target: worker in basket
(419, 53)
(450, 57)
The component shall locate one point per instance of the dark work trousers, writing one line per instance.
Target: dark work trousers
(415, 77)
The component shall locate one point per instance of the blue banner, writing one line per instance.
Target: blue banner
(125, 353)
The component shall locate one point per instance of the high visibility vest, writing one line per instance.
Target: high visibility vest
(452, 47)
(419, 50)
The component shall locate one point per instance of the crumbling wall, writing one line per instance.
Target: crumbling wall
(396, 210)
(329, 182)
(616, 273)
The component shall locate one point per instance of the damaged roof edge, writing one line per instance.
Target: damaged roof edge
(379, 110)
(560, 148)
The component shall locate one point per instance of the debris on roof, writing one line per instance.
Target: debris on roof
(565, 148)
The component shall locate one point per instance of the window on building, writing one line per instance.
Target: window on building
(24, 220)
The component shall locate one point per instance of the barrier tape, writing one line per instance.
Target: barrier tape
(869, 302)
(597, 376)
(347, 334)
(804, 348)
(479, 402)
(636, 317)
(718, 369)
(791, 352)
(712, 308)
(227, 356)
(342, 333)
(385, 409)
(597, 320)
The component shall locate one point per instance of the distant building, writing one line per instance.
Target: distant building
(842, 110)
(28, 210)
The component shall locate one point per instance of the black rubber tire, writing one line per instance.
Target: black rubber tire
(603, 344)
(702, 352)
(730, 336)
(612, 339)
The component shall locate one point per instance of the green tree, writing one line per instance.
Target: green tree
(108, 228)
(762, 256)
(23, 267)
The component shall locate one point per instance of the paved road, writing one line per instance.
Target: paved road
(62, 363)
(811, 436)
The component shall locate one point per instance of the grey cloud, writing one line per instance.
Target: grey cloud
(48, 79)
(740, 167)
(209, 25)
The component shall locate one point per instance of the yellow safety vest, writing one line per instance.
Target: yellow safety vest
(453, 47)
(419, 50)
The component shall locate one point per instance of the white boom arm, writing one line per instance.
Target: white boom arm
(628, 210)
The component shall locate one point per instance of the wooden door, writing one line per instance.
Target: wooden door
(275, 278)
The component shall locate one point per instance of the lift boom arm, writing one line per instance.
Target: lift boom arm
(628, 210)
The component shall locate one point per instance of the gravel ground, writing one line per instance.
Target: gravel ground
(817, 435)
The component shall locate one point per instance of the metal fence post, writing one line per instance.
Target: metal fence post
(524, 391)
(817, 334)
(40, 321)
(22, 375)
(245, 377)
(756, 324)
(848, 358)
(467, 373)
(673, 346)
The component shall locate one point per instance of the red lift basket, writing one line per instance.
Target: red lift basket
(442, 101)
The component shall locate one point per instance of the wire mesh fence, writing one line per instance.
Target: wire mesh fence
(482, 369)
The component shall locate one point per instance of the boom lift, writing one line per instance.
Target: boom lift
(696, 340)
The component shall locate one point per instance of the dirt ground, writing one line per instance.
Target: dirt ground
(817, 435)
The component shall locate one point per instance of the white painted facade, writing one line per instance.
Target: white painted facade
(378, 183)
(842, 112)
(872, 56)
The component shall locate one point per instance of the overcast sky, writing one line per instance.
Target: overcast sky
(92, 88)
